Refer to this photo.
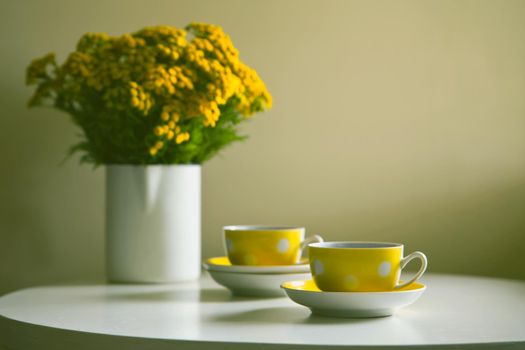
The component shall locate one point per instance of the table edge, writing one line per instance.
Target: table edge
(14, 334)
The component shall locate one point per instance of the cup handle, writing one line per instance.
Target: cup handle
(406, 260)
(304, 244)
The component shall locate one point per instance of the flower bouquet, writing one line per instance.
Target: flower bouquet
(161, 95)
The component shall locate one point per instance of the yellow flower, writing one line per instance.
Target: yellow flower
(159, 131)
(182, 137)
(173, 77)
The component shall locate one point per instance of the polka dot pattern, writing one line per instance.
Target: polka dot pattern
(229, 245)
(283, 245)
(384, 269)
(318, 267)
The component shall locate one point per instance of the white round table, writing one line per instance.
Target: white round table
(456, 312)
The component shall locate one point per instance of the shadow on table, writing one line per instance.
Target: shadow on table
(202, 295)
(287, 315)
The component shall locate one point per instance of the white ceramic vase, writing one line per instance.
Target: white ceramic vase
(153, 223)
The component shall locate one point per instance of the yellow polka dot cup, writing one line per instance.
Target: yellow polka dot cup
(361, 266)
(266, 245)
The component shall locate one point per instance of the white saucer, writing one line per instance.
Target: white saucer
(255, 284)
(351, 304)
(222, 263)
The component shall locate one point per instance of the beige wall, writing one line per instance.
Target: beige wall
(393, 120)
